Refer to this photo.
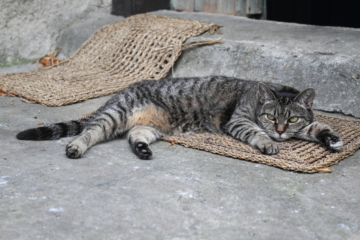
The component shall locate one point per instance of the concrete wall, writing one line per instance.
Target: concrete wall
(324, 58)
(301, 56)
(30, 29)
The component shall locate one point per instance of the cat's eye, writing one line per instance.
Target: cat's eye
(293, 119)
(270, 117)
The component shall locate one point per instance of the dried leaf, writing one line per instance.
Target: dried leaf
(50, 59)
(27, 101)
(40, 123)
(324, 170)
(5, 94)
(171, 141)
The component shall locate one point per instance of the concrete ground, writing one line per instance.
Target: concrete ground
(181, 194)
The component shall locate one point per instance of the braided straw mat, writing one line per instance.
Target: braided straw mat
(146, 46)
(295, 155)
(143, 46)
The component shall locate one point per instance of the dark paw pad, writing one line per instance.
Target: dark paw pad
(72, 151)
(142, 150)
(334, 142)
(331, 140)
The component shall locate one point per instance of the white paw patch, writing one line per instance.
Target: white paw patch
(337, 145)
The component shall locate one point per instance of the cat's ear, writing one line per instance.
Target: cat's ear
(265, 94)
(306, 98)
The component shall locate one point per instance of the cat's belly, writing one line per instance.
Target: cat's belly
(211, 124)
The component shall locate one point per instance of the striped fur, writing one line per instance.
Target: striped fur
(150, 109)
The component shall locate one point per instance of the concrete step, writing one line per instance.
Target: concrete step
(325, 58)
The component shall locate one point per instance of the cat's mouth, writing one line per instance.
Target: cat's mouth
(280, 138)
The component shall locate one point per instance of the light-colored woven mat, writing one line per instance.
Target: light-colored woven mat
(140, 47)
(295, 155)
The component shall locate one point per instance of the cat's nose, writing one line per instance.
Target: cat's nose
(280, 129)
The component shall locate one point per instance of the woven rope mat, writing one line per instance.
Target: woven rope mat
(295, 155)
(140, 47)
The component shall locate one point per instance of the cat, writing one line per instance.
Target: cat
(253, 112)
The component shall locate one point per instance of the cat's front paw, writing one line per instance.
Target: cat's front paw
(73, 151)
(268, 146)
(142, 150)
(331, 140)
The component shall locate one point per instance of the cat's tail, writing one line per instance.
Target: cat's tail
(53, 131)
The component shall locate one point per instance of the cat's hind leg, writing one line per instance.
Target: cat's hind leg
(140, 137)
(106, 126)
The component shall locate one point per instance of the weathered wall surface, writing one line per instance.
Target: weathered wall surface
(325, 58)
(30, 29)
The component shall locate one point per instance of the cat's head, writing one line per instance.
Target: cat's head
(282, 114)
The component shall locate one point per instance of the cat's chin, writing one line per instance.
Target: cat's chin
(280, 138)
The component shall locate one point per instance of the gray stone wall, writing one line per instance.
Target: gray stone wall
(30, 29)
(324, 58)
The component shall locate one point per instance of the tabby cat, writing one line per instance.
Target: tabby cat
(256, 113)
